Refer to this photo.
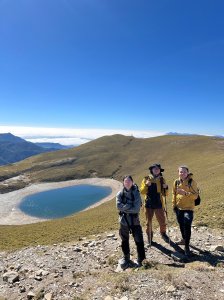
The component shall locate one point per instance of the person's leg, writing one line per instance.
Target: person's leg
(160, 216)
(149, 215)
(138, 238)
(180, 220)
(124, 234)
(188, 218)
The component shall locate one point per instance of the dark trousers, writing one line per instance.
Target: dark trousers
(138, 238)
(185, 218)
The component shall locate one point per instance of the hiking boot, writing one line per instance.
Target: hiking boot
(181, 242)
(138, 263)
(149, 240)
(165, 237)
(124, 261)
(187, 252)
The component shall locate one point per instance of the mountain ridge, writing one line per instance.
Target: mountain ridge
(14, 149)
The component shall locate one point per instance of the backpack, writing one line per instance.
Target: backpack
(196, 201)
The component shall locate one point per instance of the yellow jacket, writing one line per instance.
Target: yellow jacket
(144, 187)
(185, 202)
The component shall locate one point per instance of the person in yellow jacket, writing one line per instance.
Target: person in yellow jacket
(184, 194)
(154, 189)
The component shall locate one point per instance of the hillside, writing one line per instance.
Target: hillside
(13, 149)
(114, 156)
(88, 269)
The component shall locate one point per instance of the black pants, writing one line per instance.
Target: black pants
(138, 238)
(185, 218)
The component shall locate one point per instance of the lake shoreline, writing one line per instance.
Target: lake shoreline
(10, 214)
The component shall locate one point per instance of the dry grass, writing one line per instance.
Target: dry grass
(115, 156)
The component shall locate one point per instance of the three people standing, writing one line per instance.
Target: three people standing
(155, 190)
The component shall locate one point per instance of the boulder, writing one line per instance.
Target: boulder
(11, 276)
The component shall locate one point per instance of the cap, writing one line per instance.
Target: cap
(156, 165)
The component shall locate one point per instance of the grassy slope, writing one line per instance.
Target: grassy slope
(115, 156)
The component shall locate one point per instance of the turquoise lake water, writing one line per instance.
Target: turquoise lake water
(63, 202)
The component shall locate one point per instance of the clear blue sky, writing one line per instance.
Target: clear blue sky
(122, 64)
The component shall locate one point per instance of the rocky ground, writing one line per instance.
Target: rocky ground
(88, 269)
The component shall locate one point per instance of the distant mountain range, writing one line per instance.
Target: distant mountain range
(178, 133)
(14, 148)
(188, 134)
(53, 146)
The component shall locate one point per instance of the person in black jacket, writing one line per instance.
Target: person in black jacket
(128, 202)
(154, 189)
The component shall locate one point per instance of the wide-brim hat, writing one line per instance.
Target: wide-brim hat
(156, 165)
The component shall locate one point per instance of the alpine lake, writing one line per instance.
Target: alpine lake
(62, 202)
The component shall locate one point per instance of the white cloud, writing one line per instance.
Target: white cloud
(71, 136)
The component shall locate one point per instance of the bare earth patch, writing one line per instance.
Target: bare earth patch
(10, 214)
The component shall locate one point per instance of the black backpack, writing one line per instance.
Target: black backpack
(196, 201)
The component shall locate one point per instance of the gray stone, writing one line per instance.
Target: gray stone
(187, 284)
(92, 244)
(48, 296)
(171, 289)
(110, 235)
(11, 276)
(38, 273)
(30, 295)
(38, 278)
(22, 289)
(85, 244)
(77, 249)
(45, 273)
(216, 248)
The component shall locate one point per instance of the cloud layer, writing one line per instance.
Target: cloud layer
(71, 136)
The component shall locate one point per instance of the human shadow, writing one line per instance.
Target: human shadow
(207, 256)
(177, 255)
(200, 255)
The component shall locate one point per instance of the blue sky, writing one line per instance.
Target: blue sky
(113, 64)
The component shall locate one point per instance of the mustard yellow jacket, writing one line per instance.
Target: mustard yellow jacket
(184, 202)
(144, 187)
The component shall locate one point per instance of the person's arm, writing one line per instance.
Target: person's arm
(124, 207)
(174, 195)
(164, 188)
(136, 204)
(144, 187)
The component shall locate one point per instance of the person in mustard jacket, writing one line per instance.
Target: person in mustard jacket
(184, 194)
(154, 189)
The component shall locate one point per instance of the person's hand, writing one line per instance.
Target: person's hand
(148, 182)
(175, 209)
(165, 186)
(181, 192)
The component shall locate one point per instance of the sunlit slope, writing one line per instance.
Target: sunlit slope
(115, 156)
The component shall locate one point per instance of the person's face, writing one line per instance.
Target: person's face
(128, 183)
(183, 173)
(156, 171)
